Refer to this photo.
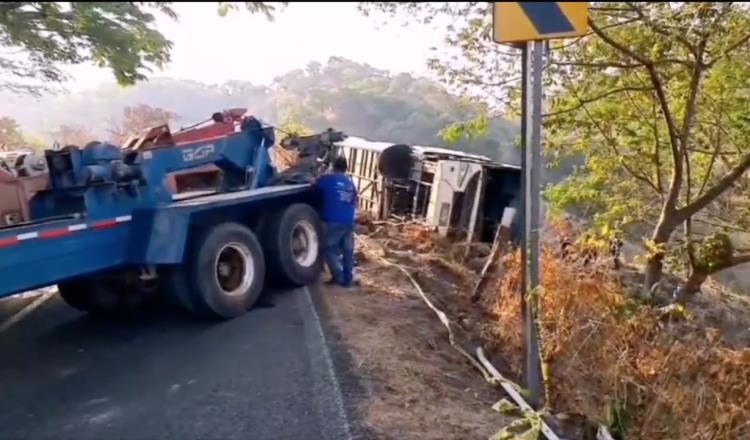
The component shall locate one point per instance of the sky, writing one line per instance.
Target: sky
(212, 49)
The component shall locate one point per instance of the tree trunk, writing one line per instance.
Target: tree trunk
(655, 262)
(699, 275)
(691, 286)
(653, 272)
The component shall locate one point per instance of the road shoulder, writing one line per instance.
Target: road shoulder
(401, 378)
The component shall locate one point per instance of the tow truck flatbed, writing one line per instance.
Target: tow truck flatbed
(38, 255)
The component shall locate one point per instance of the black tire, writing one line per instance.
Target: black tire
(293, 244)
(77, 295)
(105, 295)
(200, 288)
(175, 285)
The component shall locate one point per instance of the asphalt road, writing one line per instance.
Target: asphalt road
(163, 375)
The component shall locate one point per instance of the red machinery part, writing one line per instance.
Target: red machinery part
(223, 124)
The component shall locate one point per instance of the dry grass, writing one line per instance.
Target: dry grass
(667, 378)
(610, 358)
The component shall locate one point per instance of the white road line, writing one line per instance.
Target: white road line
(331, 378)
(26, 310)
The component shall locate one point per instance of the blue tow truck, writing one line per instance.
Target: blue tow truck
(199, 214)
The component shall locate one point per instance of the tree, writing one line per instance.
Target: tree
(139, 118)
(654, 98)
(350, 96)
(657, 96)
(117, 35)
(73, 135)
(364, 101)
(266, 8)
(40, 37)
(11, 136)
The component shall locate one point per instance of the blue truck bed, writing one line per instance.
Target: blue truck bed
(45, 253)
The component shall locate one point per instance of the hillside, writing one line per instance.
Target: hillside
(356, 98)
(646, 371)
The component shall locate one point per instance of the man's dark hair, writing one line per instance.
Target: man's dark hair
(339, 165)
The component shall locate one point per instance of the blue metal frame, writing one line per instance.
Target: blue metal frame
(108, 224)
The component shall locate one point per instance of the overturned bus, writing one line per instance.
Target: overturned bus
(462, 194)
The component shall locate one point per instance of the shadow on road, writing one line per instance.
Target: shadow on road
(56, 325)
(159, 373)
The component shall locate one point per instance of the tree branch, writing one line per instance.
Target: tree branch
(721, 225)
(713, 159)
(596, 65)
(583, 102)
(740, 259)
(478, 82)
(684, 136)
(730, 49)
(607, 39)
(686, 63)
(602, 8)
(661, 30)
(676, 183)
(734, 260)
(657, 153)
(690, 104)
(657, 86)
(715, 191)
(642, 177)
(613, 145)
(710, 152)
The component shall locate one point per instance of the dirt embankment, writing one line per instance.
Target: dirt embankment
(648, 373)
(417, 386)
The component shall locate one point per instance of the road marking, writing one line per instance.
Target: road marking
(328, 371)
(26, 310)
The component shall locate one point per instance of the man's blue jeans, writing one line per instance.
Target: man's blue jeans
(339, 252)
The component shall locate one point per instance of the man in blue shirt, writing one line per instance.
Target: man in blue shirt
(339, 204)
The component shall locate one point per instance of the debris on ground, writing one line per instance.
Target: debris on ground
(645, 371)
(417, 386)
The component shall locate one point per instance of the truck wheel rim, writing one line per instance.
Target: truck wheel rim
(304, 243)
(234, 269)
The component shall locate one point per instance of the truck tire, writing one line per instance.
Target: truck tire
(175, 285)
(224, 275)
(104, 296)
(76, 294)
(293, 245)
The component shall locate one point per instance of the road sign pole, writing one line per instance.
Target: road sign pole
(530, 23)
(533, 56)
(525, 75)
